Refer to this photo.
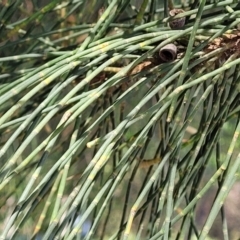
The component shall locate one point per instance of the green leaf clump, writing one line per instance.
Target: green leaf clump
(118, 117)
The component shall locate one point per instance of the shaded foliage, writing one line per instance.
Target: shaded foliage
(113, 114)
